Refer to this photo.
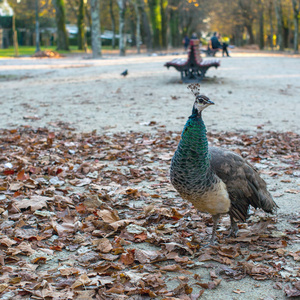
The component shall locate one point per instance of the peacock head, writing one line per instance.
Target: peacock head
(200, 103)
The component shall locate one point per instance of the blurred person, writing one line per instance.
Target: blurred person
(214, 41)
(194, 36)
(224, 46)
(186, 42)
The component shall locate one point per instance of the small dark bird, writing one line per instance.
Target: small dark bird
(215, 180)
(125, 73)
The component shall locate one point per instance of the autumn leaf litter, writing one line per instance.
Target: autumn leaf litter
(89, 216)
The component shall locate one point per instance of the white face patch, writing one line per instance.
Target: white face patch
(200, 106)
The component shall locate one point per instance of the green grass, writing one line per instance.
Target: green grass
(30, 50)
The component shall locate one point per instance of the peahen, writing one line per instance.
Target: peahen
(215, 180)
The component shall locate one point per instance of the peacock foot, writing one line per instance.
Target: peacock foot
(213, 242)
(233, 228)
(232, 233)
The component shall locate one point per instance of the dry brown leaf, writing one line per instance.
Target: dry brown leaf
(82, 280)
(104, 245)
(69, 271)
(108, 216)
(128, 257)
(210, 285)
(35, 202)
(7, 241)
(145, 256)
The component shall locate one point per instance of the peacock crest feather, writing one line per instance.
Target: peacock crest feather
(194, 88)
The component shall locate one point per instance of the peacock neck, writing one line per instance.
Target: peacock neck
(194, 141)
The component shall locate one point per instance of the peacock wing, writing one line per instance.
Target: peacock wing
(244, 185)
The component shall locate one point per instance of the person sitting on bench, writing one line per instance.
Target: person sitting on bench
(214, 42)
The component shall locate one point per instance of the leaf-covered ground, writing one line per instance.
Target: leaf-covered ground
(85, 216)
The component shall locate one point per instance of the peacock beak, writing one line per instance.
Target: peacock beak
(209, 102)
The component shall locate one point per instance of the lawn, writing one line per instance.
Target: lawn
(30, 50)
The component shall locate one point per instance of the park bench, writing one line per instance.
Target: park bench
(209, 51)
(193, 68)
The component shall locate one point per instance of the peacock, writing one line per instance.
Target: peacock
(215, 180)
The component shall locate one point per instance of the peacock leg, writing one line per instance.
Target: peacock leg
(215, 225)
(233, 228)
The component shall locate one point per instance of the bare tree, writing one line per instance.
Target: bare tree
(296, 10)
(96, 34)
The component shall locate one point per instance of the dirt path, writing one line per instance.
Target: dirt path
(250, 91)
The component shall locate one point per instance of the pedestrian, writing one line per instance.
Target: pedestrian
(186, 42)
(224, 47)
(194, 36)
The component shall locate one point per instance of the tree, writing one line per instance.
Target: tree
(279, 18)
(146, 27)
(96, 34)
(174, 37)
(113, 24)
(80, 25)
(122, 37)
(137, 9)
(164, 23)
(270, 10)
(261, 24)
(296, 11)
(247, 13)
(62, 35)
(155, 18)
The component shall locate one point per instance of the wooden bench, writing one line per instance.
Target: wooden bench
(193, 68)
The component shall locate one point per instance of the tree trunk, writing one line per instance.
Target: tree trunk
(286, 36)
(37, 27)
(261, 25)
(174, 28)
(146, 27)
(278, 11)
(60, 17)
(250, 32)
(271, 24)
(163, 23)
(96, 34)
(113, 24)
(122, 8)
(138, 25)
(80, 25)
(132, 22)
(154, 16)
(238, 35)
(296, 10)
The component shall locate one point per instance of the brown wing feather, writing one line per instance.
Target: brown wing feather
(244, 185)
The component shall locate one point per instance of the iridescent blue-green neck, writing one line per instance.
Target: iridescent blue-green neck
(194, 141)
